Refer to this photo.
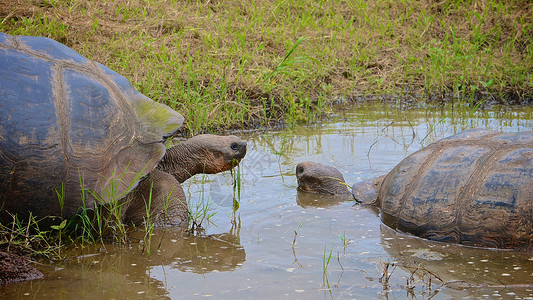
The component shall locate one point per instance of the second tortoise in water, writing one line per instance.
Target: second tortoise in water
(474, 188)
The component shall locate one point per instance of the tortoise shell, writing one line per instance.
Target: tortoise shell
(68, 122)
(474, 188)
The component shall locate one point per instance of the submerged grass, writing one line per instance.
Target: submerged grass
(234, 64)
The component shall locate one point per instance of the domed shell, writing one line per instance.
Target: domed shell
(474, 188)
(67, 122)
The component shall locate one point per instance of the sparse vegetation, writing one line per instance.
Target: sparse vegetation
(234, 64)
(296, 234)
(386, 273)
(26, 236)
(326, 259)
(345, 241)
(100, 223)
(236, 176)
(200, 211)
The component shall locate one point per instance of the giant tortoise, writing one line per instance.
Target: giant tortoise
(474, 188)
(72, 129)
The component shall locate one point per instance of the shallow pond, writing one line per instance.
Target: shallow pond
(280, 244)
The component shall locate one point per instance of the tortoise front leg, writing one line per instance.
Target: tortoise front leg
(160, 197)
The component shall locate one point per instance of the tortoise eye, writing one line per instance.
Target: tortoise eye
(234, 146)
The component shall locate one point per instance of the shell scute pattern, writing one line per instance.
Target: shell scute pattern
(473, 188)
(66, 119)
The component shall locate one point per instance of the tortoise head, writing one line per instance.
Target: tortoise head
(206, 153)
(218, 153)
(318, 178)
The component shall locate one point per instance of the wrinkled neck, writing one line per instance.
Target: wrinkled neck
(182, 161)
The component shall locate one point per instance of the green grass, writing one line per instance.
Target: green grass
(200, 211)
(100, 223)
(325, 264)
(345, 241)
(296, 233)
(148, 223)
(327, 258)
(236, 176)
(26, 236)
(235, 64)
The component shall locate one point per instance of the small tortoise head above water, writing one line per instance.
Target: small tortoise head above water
(318, 178)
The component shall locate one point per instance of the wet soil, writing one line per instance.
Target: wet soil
(16, 268)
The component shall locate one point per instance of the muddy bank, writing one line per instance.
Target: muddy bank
(16, 268)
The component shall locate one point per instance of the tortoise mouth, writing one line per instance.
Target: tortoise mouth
(240, 150)
(306, 188)
(239, 156)
(235, 161)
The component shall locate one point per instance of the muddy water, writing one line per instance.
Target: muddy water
(281, 244)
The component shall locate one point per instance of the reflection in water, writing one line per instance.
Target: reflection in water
(202, 254)
(458, 263)
(264, 260)
(123, 272)
(306, 199)
(467, 269)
